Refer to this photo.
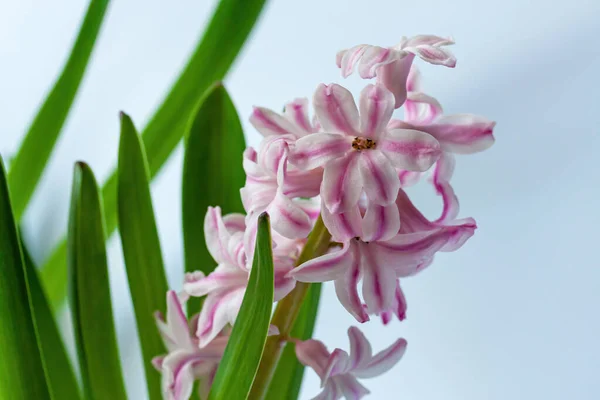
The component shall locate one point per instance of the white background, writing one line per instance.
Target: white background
(513, 314)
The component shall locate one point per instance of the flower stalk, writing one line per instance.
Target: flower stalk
(287, 311)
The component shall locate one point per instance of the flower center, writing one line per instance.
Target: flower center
(360, 144)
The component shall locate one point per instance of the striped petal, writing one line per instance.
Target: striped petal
(463, 133)
(383, 361)
(343, 226)
(342, 183)
(379, 178)
(269, 123)
(360, 348)
(410, 149)
(318, 149)
(325, 268)
(346, 288)
(336, 110)
(379, 280)
(380, 222)
(376, 108)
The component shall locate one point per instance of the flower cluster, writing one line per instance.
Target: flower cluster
(350, 164)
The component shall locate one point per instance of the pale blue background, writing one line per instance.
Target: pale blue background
(512, 315)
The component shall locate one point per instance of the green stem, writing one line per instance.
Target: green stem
(286, 313)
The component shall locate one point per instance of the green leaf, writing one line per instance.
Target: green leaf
(222, 40)
(141, 248)
(288, 376)
(30, 161)
(247, 341)
(212, 175)
(90, 292)
(21, 370)
(58, 368)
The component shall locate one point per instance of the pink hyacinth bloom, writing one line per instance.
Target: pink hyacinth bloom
(293, 124)
(275, 187)
(185, 362)
(340, 371)
(224, 288)
(378, 249)
(391, 65)
(357, 151)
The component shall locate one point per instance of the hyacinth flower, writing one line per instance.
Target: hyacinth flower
(224, 288)
(377, 249)
(357, 150)
(392, 65)
(340, 371)
(185, 361)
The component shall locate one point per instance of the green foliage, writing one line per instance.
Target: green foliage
(90, 292)
(141, 247)
(247, 341)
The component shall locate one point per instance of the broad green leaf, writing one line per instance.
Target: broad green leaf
(141, 248)
(212, 175)
(247, 341)
(59, 371)
(288, 376)
(21, 370)
(93, 323)
(30, 161)
(222, 41)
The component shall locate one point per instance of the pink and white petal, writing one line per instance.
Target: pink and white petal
(413, 82)
(318, 149)
(383, 361)
(351, 388)
(342, 183)
(394, 76)
(164, 331)
(343, 226)
(225, 276)
(235, 222)
(272, 150)
(346, 289)
(336, 110)
(463, 133)
(421, 108)
(376, 108)
(177, 375)
(379, 280)
(360, 348)
(444, 168)
(325, 268)
(268, 122)
(410, 149)
(177, 322)
(297, 112)
(206, 383)
(379, 178)
(284, 284)
(428, 40)
(288, 219)
(400, 305)
(337, 364)
(408, 178)
(313, 353)
(218, 310)
(347, 59)
(157, 363)
(373, 58)
(330, 392)
(412, 219)
(380, 222)
(216, 234)
(434, 55)
(458, 233)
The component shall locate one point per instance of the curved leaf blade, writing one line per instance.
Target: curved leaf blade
(141, 248)
(223, 39)
(57, 365)
(90, 292)
(289, 373)
(32, 157)
(21, 369)
(247, 341)
(212, 175)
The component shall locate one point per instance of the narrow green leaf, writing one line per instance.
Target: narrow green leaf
(212, 175)
(141, 248)
(30, 161)
(90, 292)
(288, 376)
(230, 26)
(58, 368)
(21, 370)
(247, 341)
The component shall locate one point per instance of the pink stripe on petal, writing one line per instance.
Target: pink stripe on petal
(346, 288)
(394, 76)
(463, 133)
(268, 122)
(428, 40)
(347, 59)
(317, 149)
(288, 219)
(351, 388)
(380, 180)
(360, 348)
(325, 268)
(442, 173)
(380, 222)
(343, 226)
(336, 110)
(373, 58)
(342, 183)
(313, 353)
(379, 281)
(383, 361)
(376, 108)
(297, 111)
(177, 321)
(410, 149)
(434, 55)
